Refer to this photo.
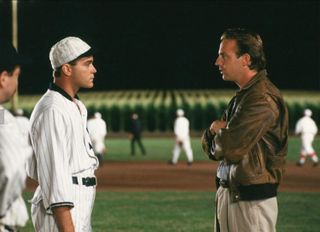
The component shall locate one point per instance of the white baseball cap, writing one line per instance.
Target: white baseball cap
(19, 112)
(180, 112)
(97, 115)
(308, 112)
(67, 50)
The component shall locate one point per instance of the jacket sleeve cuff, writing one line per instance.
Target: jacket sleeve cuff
(207, 143)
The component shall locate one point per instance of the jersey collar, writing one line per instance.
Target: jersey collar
(56, 88)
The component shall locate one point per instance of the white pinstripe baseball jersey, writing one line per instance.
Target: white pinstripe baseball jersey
(62, 149)
(14, 152)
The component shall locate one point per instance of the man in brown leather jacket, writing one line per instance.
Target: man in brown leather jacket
(250, 140)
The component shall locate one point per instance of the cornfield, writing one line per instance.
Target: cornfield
(157, 108)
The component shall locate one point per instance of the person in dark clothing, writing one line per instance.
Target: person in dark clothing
(135, 134)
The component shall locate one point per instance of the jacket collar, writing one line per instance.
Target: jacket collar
(261, 74)
(56, 88)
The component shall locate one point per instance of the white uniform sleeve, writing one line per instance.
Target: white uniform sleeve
(175, 127)
(314, 128)
(12, 163)
(31, 168)
(298, 128)
(50, 138)
(90, 126)
(104, 128)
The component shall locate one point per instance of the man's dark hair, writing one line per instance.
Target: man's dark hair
(8, 67)
(248, 42)
(9, 59)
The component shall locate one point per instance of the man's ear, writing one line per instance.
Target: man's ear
(246, 59)
(3, 77)
(66, 69)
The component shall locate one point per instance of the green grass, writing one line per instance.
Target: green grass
(160, 149)
(187, 212)
(178, 211)
(298, 212)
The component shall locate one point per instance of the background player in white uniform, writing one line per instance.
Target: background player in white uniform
(64, 162)
(14, 151)
(97, 128)
(23, 121)
(307, 129)
(182, 138)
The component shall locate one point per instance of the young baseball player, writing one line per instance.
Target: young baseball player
(64, 162)
(14, 149)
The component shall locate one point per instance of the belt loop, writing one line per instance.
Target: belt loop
(86, 181)
(75, 180)
(89, 181)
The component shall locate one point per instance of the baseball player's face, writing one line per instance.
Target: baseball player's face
(9, 83)
(229, 64)
(83, 72)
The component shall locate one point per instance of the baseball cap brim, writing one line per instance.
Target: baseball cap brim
(90, 52)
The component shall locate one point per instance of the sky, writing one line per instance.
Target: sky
(167, 44)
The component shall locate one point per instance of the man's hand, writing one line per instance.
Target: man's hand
(217, 125)
(62, 216)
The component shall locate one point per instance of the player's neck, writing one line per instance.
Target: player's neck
(66, 87)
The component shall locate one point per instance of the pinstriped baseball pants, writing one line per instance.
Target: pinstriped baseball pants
(81, 212)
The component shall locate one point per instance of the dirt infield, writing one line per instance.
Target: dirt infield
(153, 176)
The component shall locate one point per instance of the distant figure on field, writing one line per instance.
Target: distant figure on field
(135, 134)
(97, 128)
(24, 126)
(307, 129)
(182, 138)
(23, 122)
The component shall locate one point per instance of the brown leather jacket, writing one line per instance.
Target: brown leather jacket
(254, 142)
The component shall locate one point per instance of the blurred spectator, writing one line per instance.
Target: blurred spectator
(97, 128)
(14, 149)
(307, 129)
(182, 138)
(135, 134)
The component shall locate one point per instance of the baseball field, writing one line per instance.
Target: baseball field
(143, 193)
